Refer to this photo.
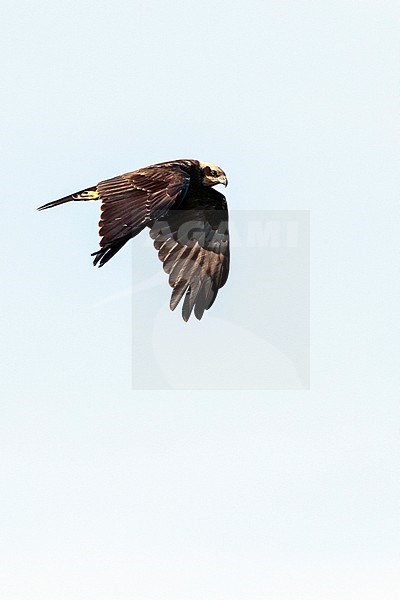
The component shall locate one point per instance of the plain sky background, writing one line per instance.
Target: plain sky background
(110, 492)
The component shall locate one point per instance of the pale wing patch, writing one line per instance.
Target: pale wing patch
(86, 195)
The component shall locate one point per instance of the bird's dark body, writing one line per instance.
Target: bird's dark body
(188, 222)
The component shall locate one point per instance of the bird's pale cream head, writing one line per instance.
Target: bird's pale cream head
(212, 175)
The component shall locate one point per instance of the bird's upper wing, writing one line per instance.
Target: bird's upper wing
(133, 200)
(193, 244)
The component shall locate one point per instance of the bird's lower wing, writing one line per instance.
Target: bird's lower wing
(193, 245)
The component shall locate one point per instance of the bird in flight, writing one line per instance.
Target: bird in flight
(187, 218)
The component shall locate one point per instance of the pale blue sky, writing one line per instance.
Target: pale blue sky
(111, 492)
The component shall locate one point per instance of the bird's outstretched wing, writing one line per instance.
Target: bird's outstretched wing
(193, 244)
(131, 201)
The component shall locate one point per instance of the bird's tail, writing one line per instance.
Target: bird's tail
(88, 194)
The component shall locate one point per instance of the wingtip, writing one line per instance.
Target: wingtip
(97, 260)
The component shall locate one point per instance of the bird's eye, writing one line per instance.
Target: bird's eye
(209, 172)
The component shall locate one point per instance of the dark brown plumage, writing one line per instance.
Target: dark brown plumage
(188, 222)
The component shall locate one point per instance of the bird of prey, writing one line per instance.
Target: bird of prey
(188, 221)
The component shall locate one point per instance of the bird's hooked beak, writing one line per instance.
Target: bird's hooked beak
(223, 179)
